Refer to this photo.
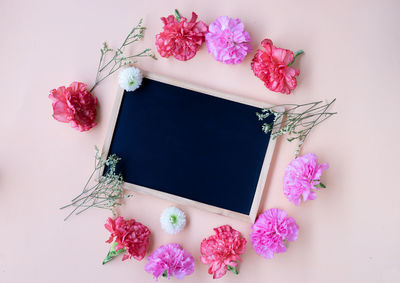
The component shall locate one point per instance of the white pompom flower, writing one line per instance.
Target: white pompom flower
(173, 220)
(130, 78)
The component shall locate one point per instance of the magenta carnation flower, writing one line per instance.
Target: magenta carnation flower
(271, 231)
(227, 40)
(170, 260)
(302, 178)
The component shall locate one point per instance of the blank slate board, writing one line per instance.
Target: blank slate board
(191, 146)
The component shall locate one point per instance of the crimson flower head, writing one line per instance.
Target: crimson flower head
(272, 66)
(74, 105)
(180, 38)
(129, 235)
(222, 250)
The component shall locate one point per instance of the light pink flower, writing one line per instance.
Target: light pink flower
(271, 231)
(302, 178)
(227, 40)
(271, 66)
(130, 235)
(180, 39)
(170, 260)
(74, 105)
(223, 250)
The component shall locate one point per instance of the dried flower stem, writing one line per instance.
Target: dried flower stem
(118, 60)
(106, 193)
(296, 121)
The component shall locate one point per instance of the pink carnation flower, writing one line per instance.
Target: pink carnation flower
(302, 178)
(271, 66)
(227, 40)
(222, 251)
(130, 235)
(74, 105)
(271, 231)
(170, 260)
(180, 39)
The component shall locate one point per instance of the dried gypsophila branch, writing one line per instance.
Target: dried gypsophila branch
(119, 59)
(106, 193)
(296, 121)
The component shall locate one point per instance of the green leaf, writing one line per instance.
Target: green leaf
(165, 273)
(320, 185)
(113, 253)
(177, 16)
(233, 269)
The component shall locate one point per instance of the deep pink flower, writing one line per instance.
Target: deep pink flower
(180, 39)
(170, 260)
(302, 178)
(271, 66)
(223, 250)
(130, 235)
(227, 40)
(74, 105)
(271, 231)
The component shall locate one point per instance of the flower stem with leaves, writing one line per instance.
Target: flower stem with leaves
(296, 121)
(119, 59)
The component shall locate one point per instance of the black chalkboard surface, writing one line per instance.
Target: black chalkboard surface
(191, 145)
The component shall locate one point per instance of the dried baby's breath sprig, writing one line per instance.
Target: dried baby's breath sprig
(296, 121)
(107, 191)
(119, 59)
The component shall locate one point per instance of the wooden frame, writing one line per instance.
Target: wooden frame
(180, 200)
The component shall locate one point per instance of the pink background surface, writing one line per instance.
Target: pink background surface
(349, 234)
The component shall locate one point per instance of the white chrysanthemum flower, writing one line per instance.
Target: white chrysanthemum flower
(173, 220)
(130, 78)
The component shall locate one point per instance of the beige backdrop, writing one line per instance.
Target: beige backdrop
(349, 233)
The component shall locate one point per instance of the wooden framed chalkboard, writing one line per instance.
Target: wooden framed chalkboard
(192, 146)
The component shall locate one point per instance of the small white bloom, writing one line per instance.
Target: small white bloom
(130, 78)
(173, 220)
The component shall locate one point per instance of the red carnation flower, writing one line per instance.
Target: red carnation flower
(180, 38)
(222, 251)
(271, 66)
(74, 105)
(130, 235)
